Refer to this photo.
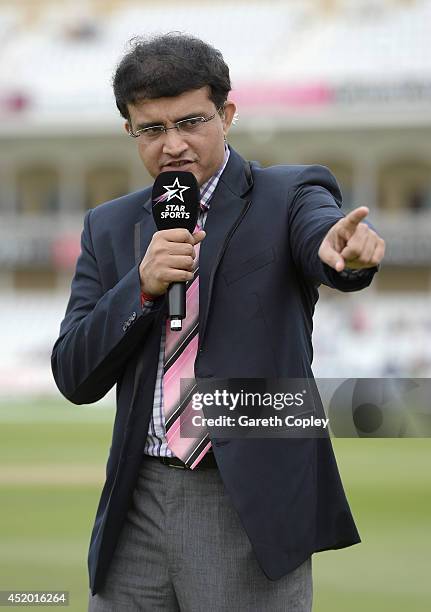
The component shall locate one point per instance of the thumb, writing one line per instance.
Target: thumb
(331, 257)
(198, 237)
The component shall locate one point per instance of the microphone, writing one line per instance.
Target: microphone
(175, 200)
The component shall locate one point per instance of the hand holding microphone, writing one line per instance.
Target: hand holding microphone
(168, 261)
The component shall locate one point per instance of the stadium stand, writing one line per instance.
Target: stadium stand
(339, 82)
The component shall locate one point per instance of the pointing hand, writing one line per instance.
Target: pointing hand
(352, 244)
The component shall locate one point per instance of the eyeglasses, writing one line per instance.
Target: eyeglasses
(192, 125)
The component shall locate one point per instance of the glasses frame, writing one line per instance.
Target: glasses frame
(176, 126)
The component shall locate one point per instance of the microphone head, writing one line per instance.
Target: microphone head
(176, 200)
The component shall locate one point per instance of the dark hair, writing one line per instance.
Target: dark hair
(169, 65)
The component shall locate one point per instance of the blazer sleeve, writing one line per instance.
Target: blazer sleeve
(314, 207)
(100, 330)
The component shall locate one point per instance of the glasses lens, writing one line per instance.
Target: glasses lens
(190, 125)
(153, 132)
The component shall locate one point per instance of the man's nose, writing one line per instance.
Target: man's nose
(174, 143)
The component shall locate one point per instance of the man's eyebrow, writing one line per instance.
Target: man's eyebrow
(142, 126)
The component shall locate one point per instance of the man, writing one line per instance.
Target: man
(235, 527)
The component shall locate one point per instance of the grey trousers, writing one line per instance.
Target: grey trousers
(183, 549)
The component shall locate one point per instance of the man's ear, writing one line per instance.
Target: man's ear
(127, 127)
(229, 111)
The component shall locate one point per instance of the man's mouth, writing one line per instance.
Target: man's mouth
(177, 164)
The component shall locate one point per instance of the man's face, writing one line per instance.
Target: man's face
(200, 152)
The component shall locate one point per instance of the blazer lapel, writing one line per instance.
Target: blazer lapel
(228, 207)
(144, 230)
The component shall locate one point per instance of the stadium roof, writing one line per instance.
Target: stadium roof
(284, 57)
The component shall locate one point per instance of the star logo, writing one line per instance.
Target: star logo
(175, 191)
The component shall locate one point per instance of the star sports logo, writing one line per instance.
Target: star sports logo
(173, 191)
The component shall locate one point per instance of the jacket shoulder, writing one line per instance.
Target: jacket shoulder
(294, 177)
(292, 172)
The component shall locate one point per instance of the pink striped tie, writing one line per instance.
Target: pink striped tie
(180, 354)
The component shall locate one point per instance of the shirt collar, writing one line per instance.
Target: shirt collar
(208, 188)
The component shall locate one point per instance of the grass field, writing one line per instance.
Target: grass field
(52, 461)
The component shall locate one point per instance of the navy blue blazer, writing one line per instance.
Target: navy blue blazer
(259, 274)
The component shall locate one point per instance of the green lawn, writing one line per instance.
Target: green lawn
(52, 459)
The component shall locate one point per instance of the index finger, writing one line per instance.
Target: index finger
(178, 234)
(353, 219)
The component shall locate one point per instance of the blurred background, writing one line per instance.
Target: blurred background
(344, 83)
